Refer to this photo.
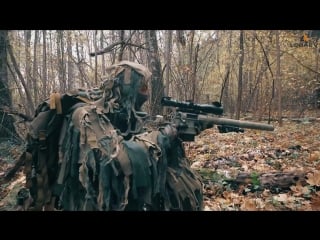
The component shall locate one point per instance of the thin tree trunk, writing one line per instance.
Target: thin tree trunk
(278, 77)
(168, 60)
(52, 72)
(225, 99)
(120, 56)
(95, 58)
(78, 63)
(84, 81)
(239, 105)
(102, 57)
(190, 81)
(181, 80)
(27, 39)
(250, 74)
(44, 65)
(89, 46)
(21, 93)
(30, 105)
(194, 74)
(35, 68)
(60, 53)
(70, 62)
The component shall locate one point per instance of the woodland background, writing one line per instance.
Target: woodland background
(262, 75)
(250, 71)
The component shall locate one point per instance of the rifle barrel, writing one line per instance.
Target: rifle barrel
(236, 123)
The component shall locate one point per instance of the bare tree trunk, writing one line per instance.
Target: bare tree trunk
(21, 93)
(251, 58)
(60, 54)
(44, 65)
(30, 105)
(194, 74)
(181, 80)
(189, 80)
(35, 68)
(89, 45)
(114, 54)
(102, 57)
(120, 56)
(27, 39)
(252, 85)
(70, 62)
(168, 60)
(95, 58)
(84, 81)
(156, 79)
(78, 63)
(225, 99)
(52, 65)
(278, 77)
(7, 129)
(239, 105)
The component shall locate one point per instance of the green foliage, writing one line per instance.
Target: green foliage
(255, 180)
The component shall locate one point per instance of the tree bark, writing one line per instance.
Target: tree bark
(60, 55)
(27, 39)
(102, 57)
(241, 60)
(168, 60)
(95, 58)
(278, 77)
(30, 106)
(44, 65)
(225, 99)
(35, 68)
(194, 74)
(122, 45)
(70, 62)
(156, 79)
(7, 129)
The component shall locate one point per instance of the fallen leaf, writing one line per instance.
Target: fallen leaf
(314, 156)
(315, 203)
(314, 178)
(281, 197)
(248, 205)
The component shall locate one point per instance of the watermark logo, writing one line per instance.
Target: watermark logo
(306, 41)
(305, 38)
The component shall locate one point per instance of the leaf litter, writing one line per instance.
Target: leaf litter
(292, 148)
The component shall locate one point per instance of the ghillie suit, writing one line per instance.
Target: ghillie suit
(91, 152)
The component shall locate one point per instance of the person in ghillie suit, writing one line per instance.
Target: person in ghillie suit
(89, 150)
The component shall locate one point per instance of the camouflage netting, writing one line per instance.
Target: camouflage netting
(91, 152)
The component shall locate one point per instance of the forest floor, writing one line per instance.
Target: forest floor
(222, 158)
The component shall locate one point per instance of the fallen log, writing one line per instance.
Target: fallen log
(281, 180)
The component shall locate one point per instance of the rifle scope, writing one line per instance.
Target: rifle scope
(192, 107)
